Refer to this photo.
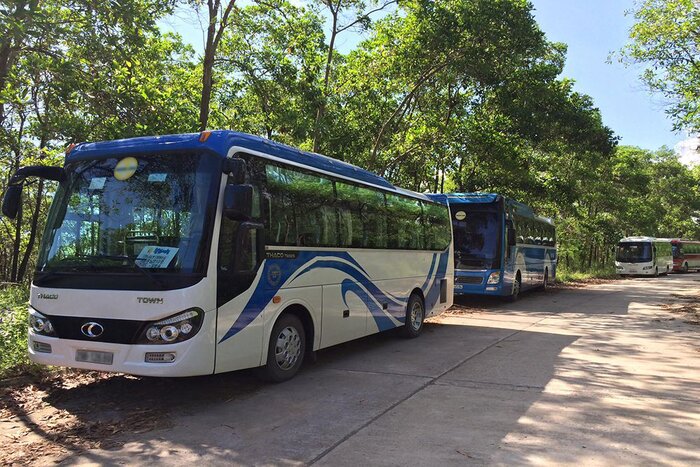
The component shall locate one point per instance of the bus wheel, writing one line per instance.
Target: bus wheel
(516, 288)
(656, 272)
(684, 270)
(285, 353)
(415, 315)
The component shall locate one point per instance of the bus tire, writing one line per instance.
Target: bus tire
(656, 272)
(415, 316)
(517, 286)
(684, 270)
(285, 352)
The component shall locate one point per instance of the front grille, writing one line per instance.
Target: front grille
(474, 280)
(116, 331)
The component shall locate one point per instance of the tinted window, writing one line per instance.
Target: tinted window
(477, 239)
(362, 217)
(302, 208)
(634, 252)
(437, 226)
(405, 223)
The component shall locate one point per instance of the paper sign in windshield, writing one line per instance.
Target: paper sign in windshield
(156, 256)
(157, 177)
(97, 183)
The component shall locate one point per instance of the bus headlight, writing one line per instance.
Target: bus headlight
(40, 324)
(494, 278)
(176, 328)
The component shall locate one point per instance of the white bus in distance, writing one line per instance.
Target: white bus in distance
(205, 253)
(644, 256)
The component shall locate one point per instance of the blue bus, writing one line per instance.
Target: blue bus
(204, 253)
(501, 246)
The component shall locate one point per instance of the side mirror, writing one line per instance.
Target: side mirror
(238, 202)
(511, 233)
(235, 167)
(250, 248)
(12, 200)
(57, 174)
(13, 195)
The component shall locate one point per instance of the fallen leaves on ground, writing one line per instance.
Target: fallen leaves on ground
(57, 413)
(686, 305)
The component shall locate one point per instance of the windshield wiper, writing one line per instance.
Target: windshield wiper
(83, 260)
(132, 262)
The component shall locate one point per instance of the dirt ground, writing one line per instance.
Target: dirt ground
(61, 414)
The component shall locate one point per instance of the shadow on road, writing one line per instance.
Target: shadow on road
(470, 389)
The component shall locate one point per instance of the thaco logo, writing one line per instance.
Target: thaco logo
(92, 329)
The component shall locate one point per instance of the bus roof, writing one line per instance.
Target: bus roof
(476, 198)
(487, 198)
(221, 141)
(640, 239)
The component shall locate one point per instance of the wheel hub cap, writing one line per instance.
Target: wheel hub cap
(416, 316)
(287, 348)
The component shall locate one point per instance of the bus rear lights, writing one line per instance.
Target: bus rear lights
(160, 357)
(176, 328)
(40, 324)
(42, 347)
(494, 278)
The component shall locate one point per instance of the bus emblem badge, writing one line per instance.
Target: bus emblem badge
(92, 329)
(274, 274)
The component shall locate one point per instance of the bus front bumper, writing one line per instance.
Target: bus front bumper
(477, 283)
(187, 358)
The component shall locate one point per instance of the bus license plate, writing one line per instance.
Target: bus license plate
(94, 356)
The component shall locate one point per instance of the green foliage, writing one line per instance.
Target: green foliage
(13, 330)
(450, 95)
(576, 275)
(666, 41)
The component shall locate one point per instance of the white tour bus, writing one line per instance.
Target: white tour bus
(195, 254)
(646, 256)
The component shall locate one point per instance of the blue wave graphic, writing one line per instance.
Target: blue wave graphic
(382, 320)
(277, 272)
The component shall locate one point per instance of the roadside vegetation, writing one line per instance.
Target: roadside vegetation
(455, 95)
(565, 275)
(13, 330)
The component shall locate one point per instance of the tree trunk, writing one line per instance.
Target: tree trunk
(326, 81)
(207, 82)
(215, 31)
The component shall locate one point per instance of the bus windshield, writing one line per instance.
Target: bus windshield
(477, 239)
(634, 252)
(130, 214)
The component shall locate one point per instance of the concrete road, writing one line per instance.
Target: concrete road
(598, 375)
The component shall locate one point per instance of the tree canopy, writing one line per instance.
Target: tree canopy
(455, 95)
